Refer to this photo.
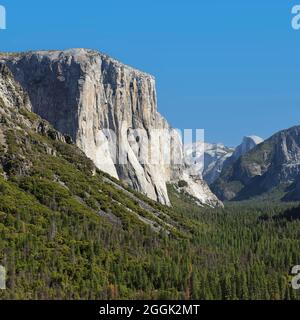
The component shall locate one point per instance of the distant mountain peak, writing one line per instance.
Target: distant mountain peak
(257, 139)
(248, 143)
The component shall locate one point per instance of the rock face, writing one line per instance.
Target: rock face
(110, 111)
(210, 164)
(272, 166)
(11, 93)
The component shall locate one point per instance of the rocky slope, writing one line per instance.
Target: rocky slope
(272, 167)
(101, 103)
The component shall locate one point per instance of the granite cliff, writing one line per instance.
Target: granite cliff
(110, 111)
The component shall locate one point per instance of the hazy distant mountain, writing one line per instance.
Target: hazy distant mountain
(217, 156)
(208, 165)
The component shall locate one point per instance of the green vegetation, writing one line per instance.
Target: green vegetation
(68, 231)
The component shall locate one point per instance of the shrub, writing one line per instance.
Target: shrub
(182, 184)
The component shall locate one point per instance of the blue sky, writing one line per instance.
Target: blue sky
(231, 67)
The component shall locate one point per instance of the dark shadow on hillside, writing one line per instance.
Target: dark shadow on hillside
(290, 215)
